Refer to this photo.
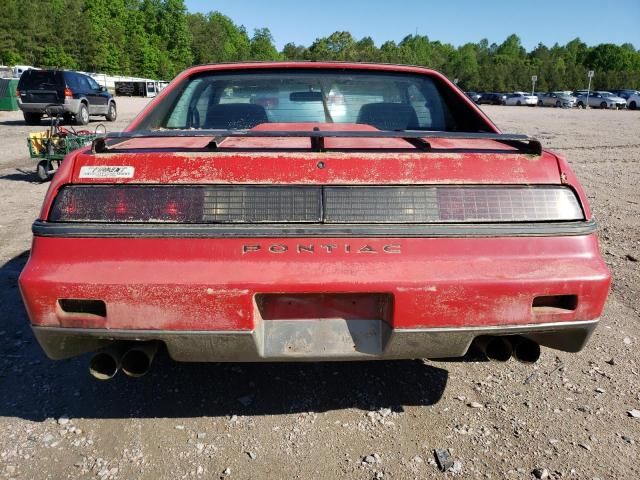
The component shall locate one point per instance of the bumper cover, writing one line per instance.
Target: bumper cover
(313, 340)
(70, 106)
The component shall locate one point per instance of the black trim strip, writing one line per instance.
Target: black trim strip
(417, 138)
(162, 230)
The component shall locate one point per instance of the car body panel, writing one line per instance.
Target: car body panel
(210, 284)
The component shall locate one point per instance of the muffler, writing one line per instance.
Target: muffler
(495, 348)
(105, 364)
(137, 360)
(525, 350)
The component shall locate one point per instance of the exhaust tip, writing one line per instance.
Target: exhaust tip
(137, 360)
(103, 366)
(498, 349)
(525, 350)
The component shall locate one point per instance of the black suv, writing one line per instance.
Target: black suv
(79, 94)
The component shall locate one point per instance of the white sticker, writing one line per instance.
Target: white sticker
(106, 172)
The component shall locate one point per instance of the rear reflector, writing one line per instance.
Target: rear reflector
(313, 204)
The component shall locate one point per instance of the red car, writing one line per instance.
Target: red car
(312, 211)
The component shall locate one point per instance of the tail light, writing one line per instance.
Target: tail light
(68, 93)
(17, 93)
(314, 204)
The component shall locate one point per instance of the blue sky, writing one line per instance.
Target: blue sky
(450, 21)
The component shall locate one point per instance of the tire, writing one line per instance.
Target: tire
(604, 105)
(518, 103)
(82, 117)
(32, 118)
(580, 105)
(540, 104)
(633, 105)
(112, 112)
(558, 104)
(43, 170)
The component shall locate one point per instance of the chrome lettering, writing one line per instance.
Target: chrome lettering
(392, 248)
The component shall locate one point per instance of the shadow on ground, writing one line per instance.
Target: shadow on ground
(35, 388)
(20, 175)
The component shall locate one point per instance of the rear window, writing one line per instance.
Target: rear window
(386, 101)
(36, 79)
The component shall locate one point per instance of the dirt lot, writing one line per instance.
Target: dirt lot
(567, 414)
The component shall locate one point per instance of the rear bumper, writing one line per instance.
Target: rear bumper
(70, 106)
(257, 299)
(312, 340)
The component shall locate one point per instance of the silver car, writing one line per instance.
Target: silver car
(556, 99)
(601, 99)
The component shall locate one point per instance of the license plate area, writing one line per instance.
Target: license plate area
(327, 325)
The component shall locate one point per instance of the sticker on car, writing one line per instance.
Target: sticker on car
(106, 172)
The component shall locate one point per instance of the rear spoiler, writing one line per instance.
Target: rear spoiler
(417, 138)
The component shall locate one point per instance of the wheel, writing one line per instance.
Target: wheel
(43, 168)
(32, 118)
(82, 117)
(540, 104)
(558, 104)
(112, 113)
(580, 105)
(603, 105)
(518, 103)
(632, 105)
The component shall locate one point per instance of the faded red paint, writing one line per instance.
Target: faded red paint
(209, 284)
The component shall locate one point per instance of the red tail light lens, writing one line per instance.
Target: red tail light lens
(314, 204)
(17, 93)
(125, 204)
(68, 93)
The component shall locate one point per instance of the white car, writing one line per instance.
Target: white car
(633, 102)
(521, 98)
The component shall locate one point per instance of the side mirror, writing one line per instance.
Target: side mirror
(102, 89)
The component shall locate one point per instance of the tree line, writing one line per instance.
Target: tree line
(159, 38)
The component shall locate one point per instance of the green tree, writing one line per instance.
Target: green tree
(262, 47)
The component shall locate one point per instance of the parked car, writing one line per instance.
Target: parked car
(521, 98)
(79, 94)
(633, 102)
(600, 99)
(625, 93)
(556, 99)
(492, 99)
(475, 96)
(208, 228)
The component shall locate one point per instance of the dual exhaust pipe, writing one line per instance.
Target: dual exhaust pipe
(502, 349)
(133, 359)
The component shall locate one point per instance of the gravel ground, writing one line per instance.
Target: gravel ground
(565, 417)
